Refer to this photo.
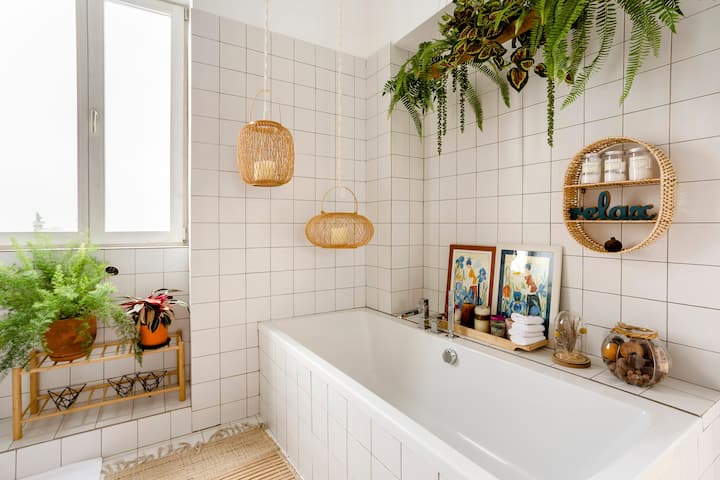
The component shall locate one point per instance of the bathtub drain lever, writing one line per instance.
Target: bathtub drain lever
(450, 356)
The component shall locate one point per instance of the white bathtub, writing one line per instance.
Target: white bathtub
(332, 383)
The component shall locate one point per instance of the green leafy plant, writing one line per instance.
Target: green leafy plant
(49, 284)
(156, 308)
(475, 34)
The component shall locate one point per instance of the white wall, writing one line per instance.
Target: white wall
(250, 260)
(367, 24)
(314, 21)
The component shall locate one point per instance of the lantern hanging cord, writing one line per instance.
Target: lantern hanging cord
(338, 141)
(265, 58)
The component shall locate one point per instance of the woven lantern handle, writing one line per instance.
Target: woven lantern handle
(266, 91)
(339, 187)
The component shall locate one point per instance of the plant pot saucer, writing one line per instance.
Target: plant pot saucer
(155, 347)
(576, 360)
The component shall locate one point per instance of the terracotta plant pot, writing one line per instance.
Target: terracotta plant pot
(150, 340)
(70, 338)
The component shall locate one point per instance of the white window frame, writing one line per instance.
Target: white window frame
(90, 128)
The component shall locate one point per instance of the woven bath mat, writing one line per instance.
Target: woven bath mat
(234, 453)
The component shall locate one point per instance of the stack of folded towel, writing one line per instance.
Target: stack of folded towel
(526, 330)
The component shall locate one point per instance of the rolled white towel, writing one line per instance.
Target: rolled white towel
(526, 320)
(523, 340)
(521, 329)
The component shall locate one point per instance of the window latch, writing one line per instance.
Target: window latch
(93, 120)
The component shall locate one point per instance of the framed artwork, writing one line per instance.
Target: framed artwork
(471, 273)
(528, 281)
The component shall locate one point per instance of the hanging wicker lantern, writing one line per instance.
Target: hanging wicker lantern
(265, 154)
(265, 149)
(339, 229)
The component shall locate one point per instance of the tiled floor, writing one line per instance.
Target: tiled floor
(66, 425)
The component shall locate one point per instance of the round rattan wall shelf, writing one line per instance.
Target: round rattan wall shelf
(573, 192)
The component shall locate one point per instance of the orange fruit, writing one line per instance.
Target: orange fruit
(610, 350)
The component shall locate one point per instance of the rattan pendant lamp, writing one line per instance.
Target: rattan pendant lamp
(265, 149)
(339, 229)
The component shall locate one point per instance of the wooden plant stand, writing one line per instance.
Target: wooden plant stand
(93, 396)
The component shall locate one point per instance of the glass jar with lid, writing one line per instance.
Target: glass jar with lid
(639, 163)
(634, 355)
(614, 166)
(591, 171)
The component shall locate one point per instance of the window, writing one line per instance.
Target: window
(93, 120)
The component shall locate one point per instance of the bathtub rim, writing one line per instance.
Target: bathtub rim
(674, 426)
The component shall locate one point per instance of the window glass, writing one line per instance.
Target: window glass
(38, 125)
(137, 119)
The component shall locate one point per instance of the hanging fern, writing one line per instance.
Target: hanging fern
(474, 34)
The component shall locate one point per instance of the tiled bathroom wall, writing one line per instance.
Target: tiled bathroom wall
(395, 195)
(250, 260)
(504, 185)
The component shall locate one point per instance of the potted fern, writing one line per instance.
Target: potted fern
(153, 315)
(51, 300)
(501, 39)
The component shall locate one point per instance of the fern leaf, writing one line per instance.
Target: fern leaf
(606, 24)
(496, 77)
(644, 37)
(414, 115)
(474, 101)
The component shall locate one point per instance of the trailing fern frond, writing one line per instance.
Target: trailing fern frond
(494, 74)
(605, 25)
(475, 103)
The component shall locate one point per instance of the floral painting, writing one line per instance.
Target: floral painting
(526, 283)
(470, 274)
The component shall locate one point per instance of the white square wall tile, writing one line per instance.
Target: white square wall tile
(38, 458)
(180, 422)
(206, 395)
(386, 448)
(644, 279)
(119, 438)
(154, 429)
(705, 331)
(205, 24)
(693, 285)
(7, 464)
(601, 274)
(84, 446)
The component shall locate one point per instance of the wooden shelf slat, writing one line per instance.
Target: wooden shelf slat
(623, 183)
(81, 407)
(610, 221)
(104, 356)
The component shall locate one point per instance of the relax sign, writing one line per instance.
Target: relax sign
(619, 212)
